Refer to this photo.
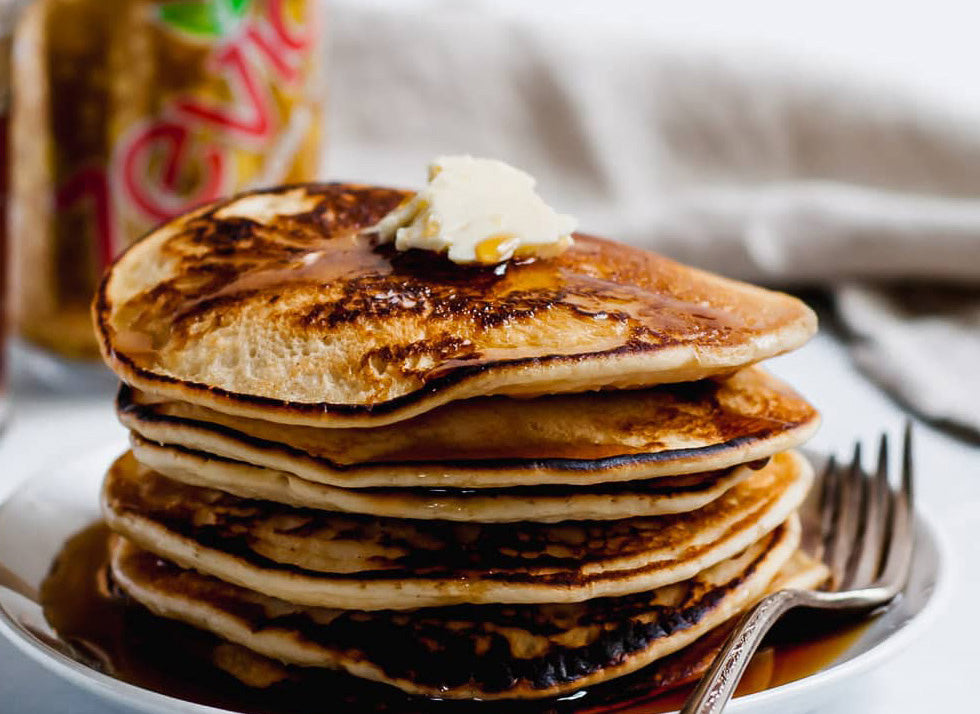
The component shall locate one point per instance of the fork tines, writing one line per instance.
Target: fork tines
(865, 524)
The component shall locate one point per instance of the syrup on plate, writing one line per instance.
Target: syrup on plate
(165, 656)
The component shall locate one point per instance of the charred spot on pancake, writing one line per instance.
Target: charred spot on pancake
(419, 647)
(487, 648)
(279, 538)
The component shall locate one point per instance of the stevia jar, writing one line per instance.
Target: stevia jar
(128, 112)
(8, 14)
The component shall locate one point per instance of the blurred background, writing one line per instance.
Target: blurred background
(832, 149)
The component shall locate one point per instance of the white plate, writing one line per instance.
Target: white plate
(37, 519)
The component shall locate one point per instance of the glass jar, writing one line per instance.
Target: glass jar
(8, 12)
(128, 112)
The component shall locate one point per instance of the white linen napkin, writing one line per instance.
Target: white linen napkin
(743, 163)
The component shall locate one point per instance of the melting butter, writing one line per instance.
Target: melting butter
(478, 211)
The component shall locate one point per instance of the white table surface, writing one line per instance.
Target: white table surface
(938, 673)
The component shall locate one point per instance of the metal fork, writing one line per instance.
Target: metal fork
(866, 538)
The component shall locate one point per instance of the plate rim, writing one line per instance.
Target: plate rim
(146, 700)
(910, 630)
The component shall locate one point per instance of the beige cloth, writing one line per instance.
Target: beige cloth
(741, 163)
(923, 344)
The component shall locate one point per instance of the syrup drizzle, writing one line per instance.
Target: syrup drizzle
(174, 659)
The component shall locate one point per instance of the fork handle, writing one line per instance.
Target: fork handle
(718, 684)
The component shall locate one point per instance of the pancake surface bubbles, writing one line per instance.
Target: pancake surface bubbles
(341, 560)
(277, 305)
(486, 651)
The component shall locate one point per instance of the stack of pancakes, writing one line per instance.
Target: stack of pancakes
(465, 482)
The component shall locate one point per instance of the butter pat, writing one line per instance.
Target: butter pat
(477, 211)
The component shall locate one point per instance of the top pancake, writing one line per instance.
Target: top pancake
(276, 304)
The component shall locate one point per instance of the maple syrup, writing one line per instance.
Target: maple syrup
(133, 645)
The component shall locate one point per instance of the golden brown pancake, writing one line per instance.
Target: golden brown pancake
(801, 572)
(279, 305)
(542, 504)
(159, 583)
(503, 442)
(489, 651)
(343, 560)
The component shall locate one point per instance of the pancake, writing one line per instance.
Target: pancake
(279, 305)
(342, 560)
(490, 651)
(542, 504)
(801, 572)
(158, 583)
(503, 442)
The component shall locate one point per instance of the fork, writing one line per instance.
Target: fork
(866, 539)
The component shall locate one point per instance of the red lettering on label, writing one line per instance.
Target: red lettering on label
(273, 53)
(174, 140)
(277, 18)
(241, 77)
(91, 183)
(282, 47)
(151, 166)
